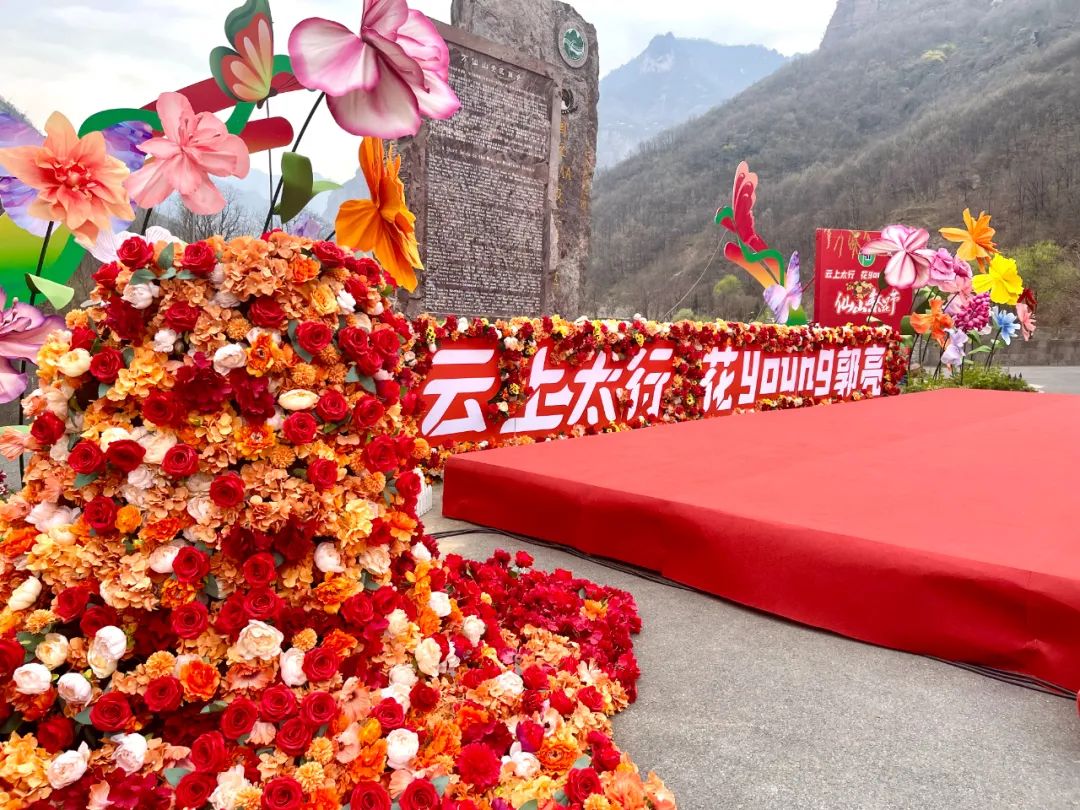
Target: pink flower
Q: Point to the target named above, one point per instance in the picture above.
(23, 331)
(194, 147)
(379, 81)
(910, 262)
(1027, 320)
(949, 274)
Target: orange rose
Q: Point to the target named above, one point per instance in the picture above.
(558, 755)
(199, 679)
(128, 519)
(340, 642)
(302, 269)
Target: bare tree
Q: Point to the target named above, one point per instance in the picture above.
(233, 220)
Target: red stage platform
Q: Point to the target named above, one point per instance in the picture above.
(942, 523)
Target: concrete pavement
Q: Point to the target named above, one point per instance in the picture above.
(1052, 379)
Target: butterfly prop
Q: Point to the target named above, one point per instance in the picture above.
(749, 250)
(245, 72)
(785, 300)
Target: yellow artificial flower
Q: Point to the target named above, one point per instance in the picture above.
(976, 238)
(1002, 280)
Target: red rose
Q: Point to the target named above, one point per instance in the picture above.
(389, 713)
(368, 362)
(260, 569)
(523, 559)
(322, 473)
(182, 316)
(369, 269)
(478, 765)
(86, 458)
(321, 664)
(163, 694)
(82, 337)
(368, 411)
(299, 428)
(389, 391)
(370, 796)
(12, 656)
(111, 712)
(282, 793)
(562, 703)
(424, 698)
(267, 313)
(277, 703)
(606, 759)
(106, 275)
(125, 454)
(190, 619)
(125, 321)
(162, 408)
(263, 604)
(313, 336)
(581, 783)
(208, 752)
(332, 406)
(191, 565)
(97, 617)
(180, 461)
(194, 789)
(318, 708)
(135, 252)
(55, 734)
(530, 735)
(106, 365)
(48, 428)
(100, 514)
(381, 455)
(232, 618)
(293, 737)
(420, 795)
(70, 602)
(329, 254)
(353, 341)
(386, 342)
(199, 387)
(199, 258)
(535, 677)
(408, 484)
(227, 490)
(592, 698)
(239, 718)
(357, 287)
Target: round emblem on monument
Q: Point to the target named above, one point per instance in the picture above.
(573, 45)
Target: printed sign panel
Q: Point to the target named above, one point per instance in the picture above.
(846, 282)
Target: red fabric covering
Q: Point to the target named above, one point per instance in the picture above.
(940, 523)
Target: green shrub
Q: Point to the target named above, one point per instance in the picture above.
(994, 379)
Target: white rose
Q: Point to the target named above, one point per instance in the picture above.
(298, 399)
(451, 660)
(59, 452)
(217, 275)
(363, 322)
(401, 747)
(199, 482)
(57, 399)
(130, 753)
(225, 299)
(74, 363)
(346, 302)
(68, 768)
(258, 640)
(200, 507)
(141, 477)
(439, 602)
(229, 785)
(399, 692)
(375, 559)
(509, 683)
(420, 552)
(526, 765)
(26, 594)
(512, 344)
(112, 641)
(229, 357)
(32, 679)
(403, 674)
(397, 623)
(53, 650)
(141, 296)
(164, 340)
(162, 557)
(156, 446)
(328, 558)
(113, 434)
(292, 667)
(74, 688)
(100, 663)
(428, 655)
(473, 628)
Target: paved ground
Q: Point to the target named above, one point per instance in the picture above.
(1052, 379)
(741, 710)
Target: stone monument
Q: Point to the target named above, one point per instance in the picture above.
(501, 191)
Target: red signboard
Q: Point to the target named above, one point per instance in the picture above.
(846, 282)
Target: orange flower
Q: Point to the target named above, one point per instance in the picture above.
(78, 183)
(370, 763)
(384, 224)
(976, 238)
(199, 679)
(128, 519)
(935, 322)
(557, 755)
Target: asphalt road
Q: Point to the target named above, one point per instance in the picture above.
(1052, 379)
(738, 709)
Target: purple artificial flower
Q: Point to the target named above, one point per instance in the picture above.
(23, 330)
(123, 141)
(305, 226)
(955, 350)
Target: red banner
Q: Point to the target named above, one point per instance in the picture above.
(846, 282)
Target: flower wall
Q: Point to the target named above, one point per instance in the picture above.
(484, 384)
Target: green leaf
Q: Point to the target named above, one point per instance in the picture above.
(353, 376)
(440, 783)
(530, 805)
(213, 708)
(368, 384)
(797, 317)
(165, 260)
(302, 353)
(583, 762)
(905, 326)
(20, 429)
(144, 275)
(30, 641)
(129, 355)
(319, 186)
(297, 185)
(174, 775)
(560, 798)
(59, 295)
(185, 275)
(103, 389)
(83, 479)
(213, 589)
(83, 717)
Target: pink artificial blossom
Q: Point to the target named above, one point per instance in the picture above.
(940, 267)
(1027, 320)
(23, 331)
(381, 80)
(909, 263)
(193, 148)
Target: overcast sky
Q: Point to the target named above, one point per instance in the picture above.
(82, 56)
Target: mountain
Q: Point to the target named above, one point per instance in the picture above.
(672, 81)
(913, 110)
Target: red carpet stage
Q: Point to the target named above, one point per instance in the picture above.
(940, 523)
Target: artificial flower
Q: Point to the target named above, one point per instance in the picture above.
(1027, 319)
(1006, 323)
(955, 350)
(976, 238)
(909, 262)
(935, 322)
(383, 224)
(1002, 281)
(23, 331)
(193, 148)
(78, 183)
(382, 80)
